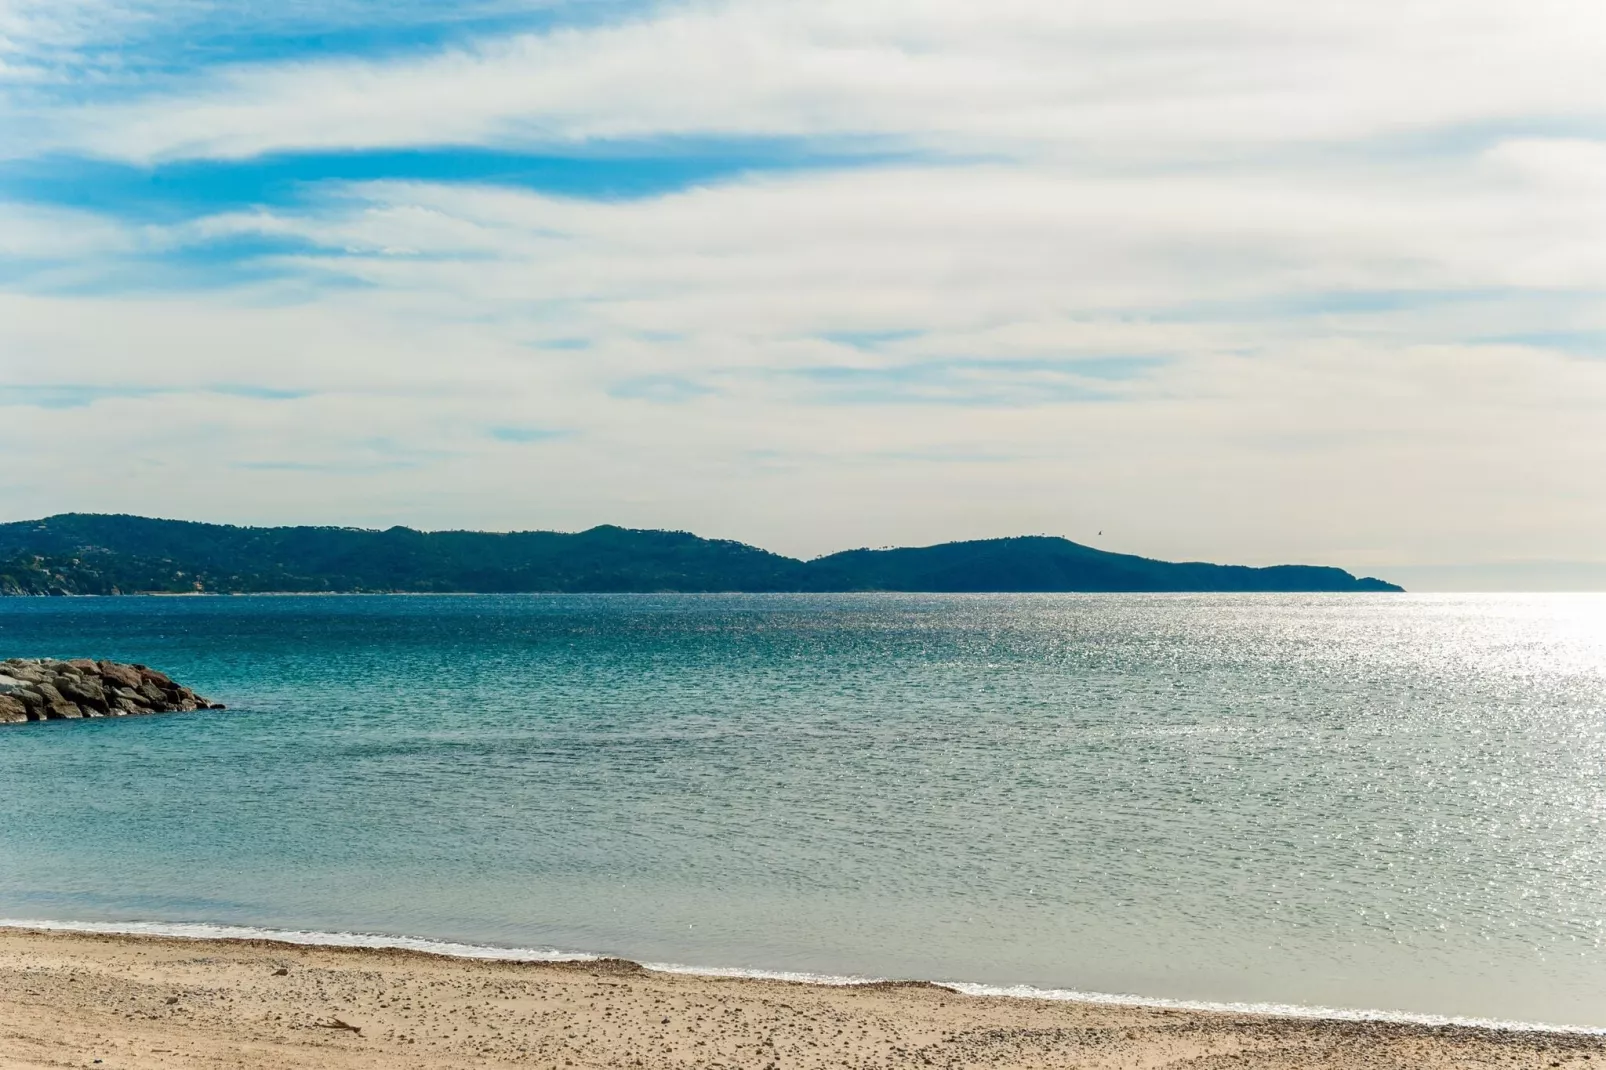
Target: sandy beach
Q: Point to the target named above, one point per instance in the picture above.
(75, 999)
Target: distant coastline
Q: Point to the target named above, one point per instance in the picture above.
(208, 595)
(99, 554)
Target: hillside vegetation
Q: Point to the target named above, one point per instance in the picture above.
(84, 553)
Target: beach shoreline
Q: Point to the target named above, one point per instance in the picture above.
(69, 997)
(453, 949)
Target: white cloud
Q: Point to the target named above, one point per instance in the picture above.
(33, 233)
(1336, 246)
(1154, 79)
(946, 250)
(1281, 421)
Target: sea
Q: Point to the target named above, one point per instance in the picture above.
(1388, 805)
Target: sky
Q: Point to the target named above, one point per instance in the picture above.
(1232, 280)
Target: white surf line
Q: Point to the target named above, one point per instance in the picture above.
(742, 973)
(1273, 1010)
(305, 937)
(452, 949)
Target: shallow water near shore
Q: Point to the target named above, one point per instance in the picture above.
(1390, 802)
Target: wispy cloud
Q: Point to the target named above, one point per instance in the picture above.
(671, 389)
(1584, 343)
(180, 190)
(978, 382)
(871, 339)
(262, 393)
(526, 435)
(1037, 74)
(66, 396)
(82, 395)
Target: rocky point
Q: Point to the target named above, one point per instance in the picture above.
(44, 689)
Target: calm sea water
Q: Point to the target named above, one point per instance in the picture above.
(1391, 802)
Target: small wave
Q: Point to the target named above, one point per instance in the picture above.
(207, 931)
(742, 973)
(452, 949)
(1275, 1010)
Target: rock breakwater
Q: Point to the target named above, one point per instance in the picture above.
(44, 689)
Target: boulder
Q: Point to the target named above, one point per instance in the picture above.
(152, 676)
(84, 665)
(12, 710)
(86, 691)
(120, 675)
(62, 711)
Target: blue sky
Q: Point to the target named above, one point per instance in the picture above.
(1234, 280)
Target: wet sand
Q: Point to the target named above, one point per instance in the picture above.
(118, 1002)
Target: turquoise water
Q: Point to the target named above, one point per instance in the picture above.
(1362, 801)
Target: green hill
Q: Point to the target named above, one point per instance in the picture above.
(1041, 563)
(84, 553)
